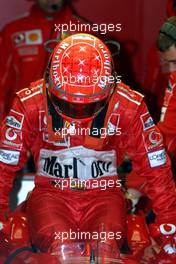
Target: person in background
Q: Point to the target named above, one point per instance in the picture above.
(166, 43)
(22, 53)
(157, 73)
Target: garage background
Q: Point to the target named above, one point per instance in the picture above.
(140, 21)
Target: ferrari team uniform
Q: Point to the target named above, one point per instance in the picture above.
(155, 81)
(157, 73)
(167, 124)
(60, 202)
(23, 57)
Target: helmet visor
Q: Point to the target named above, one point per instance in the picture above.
(77, 110)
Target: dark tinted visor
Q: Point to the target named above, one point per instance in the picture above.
(76, 110)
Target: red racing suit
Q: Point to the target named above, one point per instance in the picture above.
(93, 157)
(167, 124)
(22, 55)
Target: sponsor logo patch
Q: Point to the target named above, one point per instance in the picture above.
(61, 143)
(42, 121)
(152, 139)
(13, 145)
(30, 37)
(43, 128)
(9, 157)
(19, 38)
(157, 158)
(113, 124)
(12, 137)
(90, 164)
(26, 51)
(15, 120)
(147, 121)
(11, 132)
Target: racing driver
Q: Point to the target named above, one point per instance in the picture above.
(79, 123)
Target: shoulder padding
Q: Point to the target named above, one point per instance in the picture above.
(126, 94)
(34, 89)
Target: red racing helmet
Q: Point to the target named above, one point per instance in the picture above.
(81, 78)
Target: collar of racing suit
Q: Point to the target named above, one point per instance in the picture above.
(55, 123)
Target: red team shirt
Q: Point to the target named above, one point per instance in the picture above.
(167, 123)
(23, 58)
